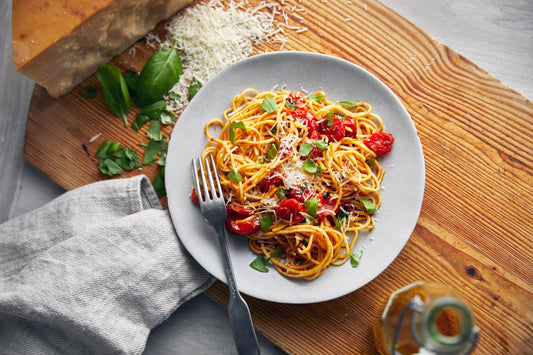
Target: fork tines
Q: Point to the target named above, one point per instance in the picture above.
(210, 190)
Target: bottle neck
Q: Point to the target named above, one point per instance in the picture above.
(446, 326)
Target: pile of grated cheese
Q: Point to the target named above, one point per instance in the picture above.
(211, 37)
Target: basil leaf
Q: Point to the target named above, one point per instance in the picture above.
(312, 167)
(159, 185)
(127, 158)
(131, 79)
(274, 129)
(154, 131)
(139, 121)
(308, 218)
(281, 192)
(305, 149)
(154, 109)
(321, 145)
(115, 90)
(276, 253)
(291, 105)
(232, 127)
(272, 152)
(349, 104)
(259, 264)
(355, 257)
(269, 104)
(109, 167)
(193, 88)
(370, 161)
(317, 97)
(311, 206)
(370, 207)
(160, 73)
(151, 152)
(167, 117)
(107, 149)
(265, 223)
(174, 99)
(234, 176)
(330, 119)
(88, 91)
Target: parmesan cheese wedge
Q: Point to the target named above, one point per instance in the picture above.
(60, 43)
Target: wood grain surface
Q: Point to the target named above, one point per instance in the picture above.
(476, 226)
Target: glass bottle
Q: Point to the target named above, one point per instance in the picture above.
(427, 319)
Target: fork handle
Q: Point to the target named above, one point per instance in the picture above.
(240, 318)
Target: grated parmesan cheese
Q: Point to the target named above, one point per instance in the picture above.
(211, 37)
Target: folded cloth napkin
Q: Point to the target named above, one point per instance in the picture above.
(92, 272)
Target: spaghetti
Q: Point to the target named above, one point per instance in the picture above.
(299, 175)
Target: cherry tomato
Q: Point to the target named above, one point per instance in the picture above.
(290, 209)
(350, 123)
(269, 181)
(285, 149)
(380, 142)
(336, 132)
(236, 212)
(194, 197)
(245, 226)
(299, 195)
(326, 206)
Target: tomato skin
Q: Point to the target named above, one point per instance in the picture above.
(290, 207)
(248, 226)
(349, 122)
(299, 195)
(336, 132)
(380, 142)
(269, 181)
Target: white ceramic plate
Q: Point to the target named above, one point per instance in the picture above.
(403, 184)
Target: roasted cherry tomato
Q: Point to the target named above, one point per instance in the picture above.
(290, 209)
(380, 142)
(269, 181)
(194, 197)
(236, 212)
(244, 226)
(350, 126)
(299, 195)
(326, 206)
(335, 132)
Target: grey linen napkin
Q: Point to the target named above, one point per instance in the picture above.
(92, 272)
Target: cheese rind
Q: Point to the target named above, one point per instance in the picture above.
(58, 43)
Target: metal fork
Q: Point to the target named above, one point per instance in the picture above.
(213, 209)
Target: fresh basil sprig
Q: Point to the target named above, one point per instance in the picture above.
(160, 73)
(269, 104)
(260, 262)
(115, 90)
(355, 257)
(193, 88)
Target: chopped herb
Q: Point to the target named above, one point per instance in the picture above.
(281, 192)
(139, 121)
(151, 152)
(349, 104)
(305, 149)
(355, 257)
(370, 161)
(88, 92)
(115, 90)
(265, 223)
(274, 129)
(234, 176)
(167, 117)
(311, 206)
(340, 218)
(109, 167)
(240, 125)
(317, 97)
(269, 104)
(159, 184)
(308, 218)
(321, 145)
(326, 195)
(131, 79)
(107, 149)
(312, 167)
(193, 88)
(370, 207)
(291, 105)
(260, 262)
(272, 152)
(154, 131)
(330, 119)
(127, 158)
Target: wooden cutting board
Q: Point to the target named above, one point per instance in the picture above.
(475, 227)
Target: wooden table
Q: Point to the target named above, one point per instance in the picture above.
(476, 224)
